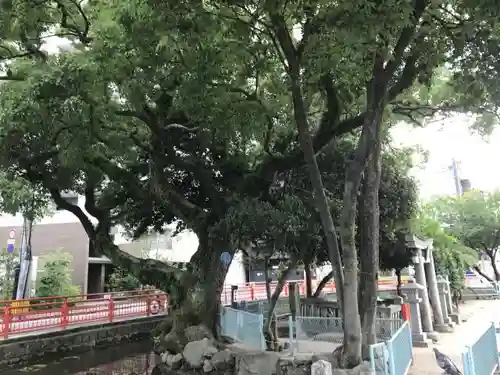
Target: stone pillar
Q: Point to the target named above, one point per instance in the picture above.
(425, 307)
(412, 291)
(439, 323)
(449, 302)
(443, 292)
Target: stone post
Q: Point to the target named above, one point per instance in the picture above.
(439, 323)
(443, 292)
(425, 307)
(321, 367)
(449, 302)
(411, 291)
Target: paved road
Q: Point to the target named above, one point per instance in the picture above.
(479, 314)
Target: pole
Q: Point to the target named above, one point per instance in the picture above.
(25, 260)
(456, 178)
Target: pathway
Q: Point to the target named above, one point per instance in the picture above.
(479, 314)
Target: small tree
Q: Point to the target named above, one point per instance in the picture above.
(8, 262)
(56, 276)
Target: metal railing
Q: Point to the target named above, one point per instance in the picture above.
(257, 290)
(53, 313)
(309, 334)
(481, 358)
(394, 356)
(243, 327)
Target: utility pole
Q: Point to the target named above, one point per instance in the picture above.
(456, 178)
(25, 258)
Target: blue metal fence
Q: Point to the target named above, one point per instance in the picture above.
(395, 356)
(481, 358)
(243, 327)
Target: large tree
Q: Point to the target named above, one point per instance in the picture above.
(184, 111)
(474, 219)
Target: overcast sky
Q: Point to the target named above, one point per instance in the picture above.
(445, 141)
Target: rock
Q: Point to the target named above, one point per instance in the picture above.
(173, 342)
(223, 360)
(210, 351)
(207, 366)
(256, 363)
(194, 352)
(174, 361)
(197, 333)
(321, 367)
(164, 357)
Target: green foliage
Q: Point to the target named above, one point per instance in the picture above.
(8, 262)
(19, 195)
(451, 256)
(120, 281)
(55, 279)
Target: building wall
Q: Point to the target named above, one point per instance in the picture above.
(61, 230)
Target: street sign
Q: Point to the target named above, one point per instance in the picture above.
(225, 258)
(11, 240)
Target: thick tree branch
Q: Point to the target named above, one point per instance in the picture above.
(75, 210)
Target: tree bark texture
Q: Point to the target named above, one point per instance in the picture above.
(307, 271)
(399, 281)
(369, 253)
(269, 332)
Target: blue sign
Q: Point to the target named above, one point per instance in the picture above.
(470, 273)
(225, 258)
(10, 248)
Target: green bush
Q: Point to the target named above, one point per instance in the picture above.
(8, 262)
(55, 279)
(120, 281)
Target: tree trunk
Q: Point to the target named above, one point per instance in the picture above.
(481, 273)
(319, 195)
(369, 254)
(322, 284)
(307, 270)
(400, 282)
(270, 334)
(493, 256)
(270, 330)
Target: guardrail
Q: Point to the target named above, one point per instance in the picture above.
(395, 355)
(481, 358)
(51, 313)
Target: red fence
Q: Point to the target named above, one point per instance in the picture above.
(52, 313)
(257, 291)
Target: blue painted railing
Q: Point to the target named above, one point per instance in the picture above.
(394, 356)
(481, 358)
(243, 327)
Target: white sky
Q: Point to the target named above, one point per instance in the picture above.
(447, 140)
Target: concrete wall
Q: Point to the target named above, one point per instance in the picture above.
(52, 345)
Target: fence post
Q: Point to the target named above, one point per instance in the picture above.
(392, 364)
(64, 313)
(472, 365)
(111, 308)
(6, 322)
(234, 297)
(496, 343)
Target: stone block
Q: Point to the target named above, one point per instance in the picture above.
(321, 367)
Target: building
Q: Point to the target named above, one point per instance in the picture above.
(61, 230)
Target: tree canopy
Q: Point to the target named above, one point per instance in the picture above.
(194, 110)
(474, 219)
